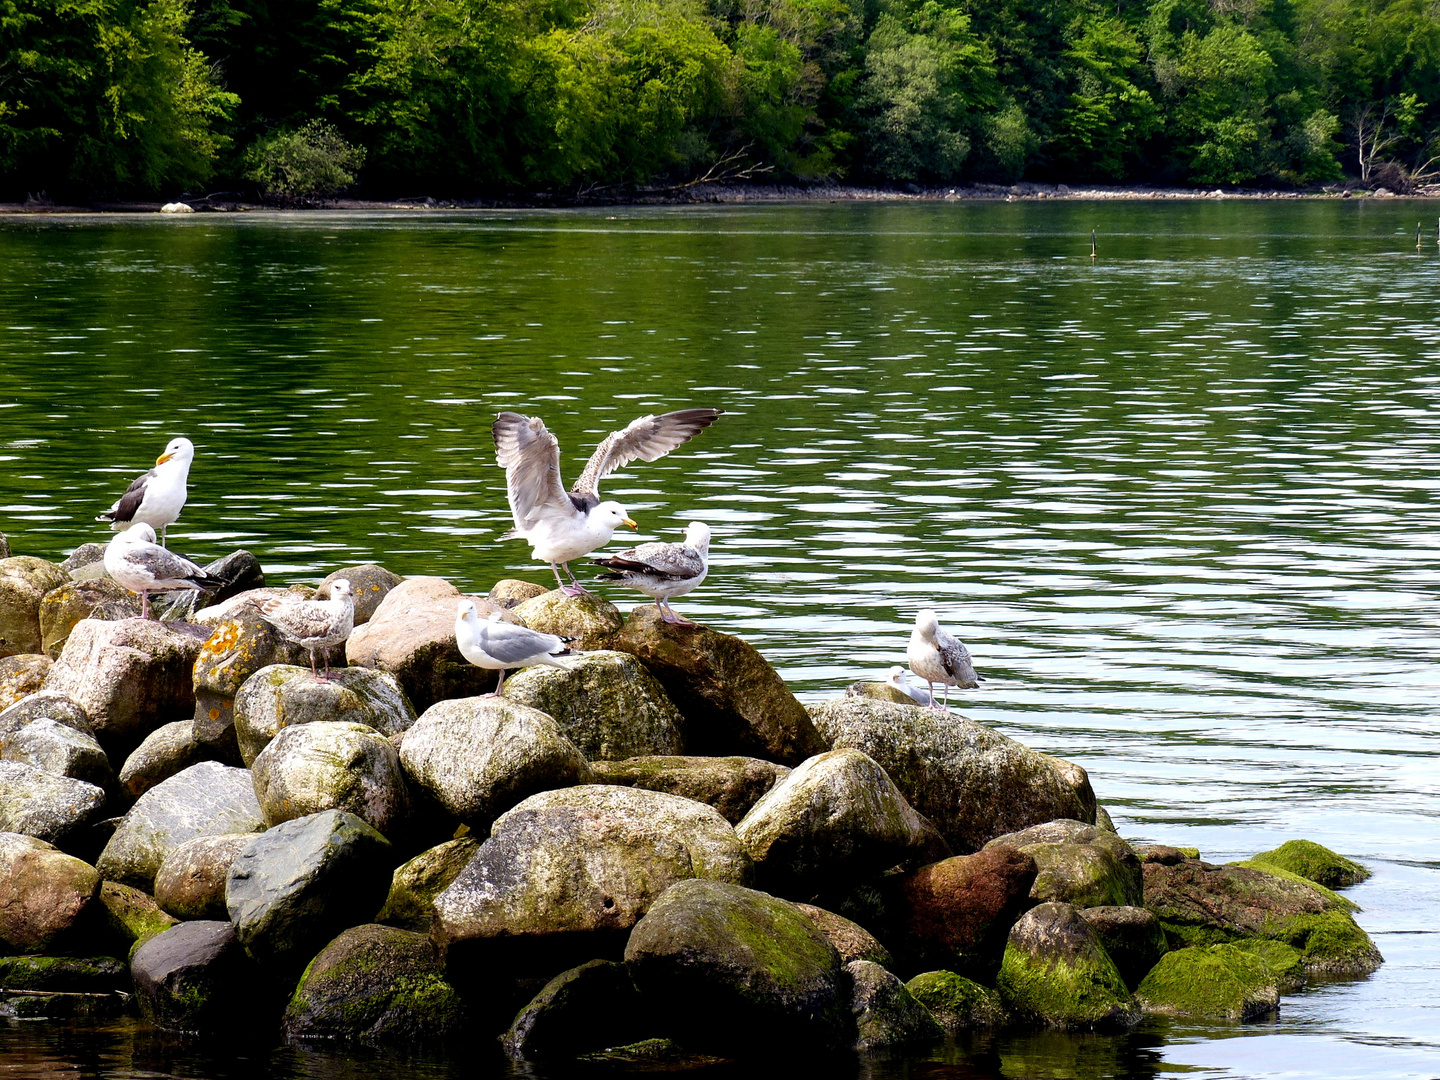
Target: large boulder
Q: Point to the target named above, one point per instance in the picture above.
(1056, 973)
(411, 635)
(169, 749)
(606, 703)
(584, 1009)
(956, 914)
(732, 700)
(1079, 864)
(1132, 936)
(129, 676)
(190, 883)
(43, 805)
(416, 883)
(208, 799)
(377, 985)
(21, 675)
(296, 886)
(886, 1013)
(24, 581)
(1218, 982)
(972, 783)
(731, 785)
(567, 873)
(1312, 861)
(331, 765)
(283, 696)
(370, 583)
(957, 1003)
(837, 817)
(195, 977)
(511, 592)
(734, 971)
(1199, 903)
(43, 893)
(480, 756)
(63, 608)
(58, 748)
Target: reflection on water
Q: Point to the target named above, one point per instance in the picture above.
(1180, 503)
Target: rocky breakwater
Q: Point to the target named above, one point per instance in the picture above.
(659, 847)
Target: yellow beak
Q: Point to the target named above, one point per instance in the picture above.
(631, 523)
(163, 458)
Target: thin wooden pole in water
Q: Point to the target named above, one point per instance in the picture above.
(1093, 250)
(1418, 240)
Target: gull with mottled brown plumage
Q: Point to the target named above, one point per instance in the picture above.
(314, 624)
(663, 571)
(562, 525)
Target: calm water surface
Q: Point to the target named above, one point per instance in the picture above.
(1181, 502)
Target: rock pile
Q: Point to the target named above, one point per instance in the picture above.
(660, 846)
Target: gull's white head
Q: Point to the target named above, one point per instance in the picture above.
(181, 450)
(697, 535)
(340, 589)
(613, 514)
(465, 609)
(139, 533)
(927, 624)
(897, 675)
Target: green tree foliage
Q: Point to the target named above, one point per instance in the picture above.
(312, 163)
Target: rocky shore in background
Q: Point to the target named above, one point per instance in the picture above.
(657, 855)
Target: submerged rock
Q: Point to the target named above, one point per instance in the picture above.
(285, 696)
(1055, 972)
(43, 893)
(1311, 861)
(886, 1013)
(606, 703)
(732, 785)
(370, 583)
(329, 765)
(957, 1003)
(41, 804)
(587, 1008)
(195, 978)
(972, 783)
(1079, 864)
(24, 581)
(732, 700)
(1212, 982)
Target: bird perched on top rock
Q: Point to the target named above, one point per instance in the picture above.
(663, 571)
(562, 525)
(314, 624)
(136, 562)
(937, 657)
(496, 645)
(157, 497)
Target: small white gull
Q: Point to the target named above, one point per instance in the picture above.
(314, 624)
(157, 497)
(937, 657)
(562, 525)
(496, 645)
(914, 693)
(135, 561)
(663, 571)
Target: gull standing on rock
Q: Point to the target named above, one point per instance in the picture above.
(914, 693)
(935, 656)
(663, 571)
(496, 645)
(136, 562)
(157, 497)
(314, 624)
(562, 525)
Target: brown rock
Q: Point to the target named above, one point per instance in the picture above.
(24, 581)
(732, 785)
(851, 940)
(733, 701)
(20, 676)
(508, 592)
(42, 893)
(62, 608)
(191, 881)
(369, 585)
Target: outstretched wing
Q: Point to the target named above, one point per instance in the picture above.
(125, 507)
(648, 438)
(530, 456)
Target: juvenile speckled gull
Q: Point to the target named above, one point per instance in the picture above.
(562, 525)
(914, 693)
(496, 645)
(135, 561)
(935, 656)
(314, 624)
(157, 497)
(664, 571)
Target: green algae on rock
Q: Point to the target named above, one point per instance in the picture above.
(1056, 972)
(1312, 861)
(1079, 864)
(1284, 960)
(415, 884)
(1210, 981)
(958, 1003)
(886, 1013)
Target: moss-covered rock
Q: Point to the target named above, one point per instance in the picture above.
(851, 940)
(131, 916)
(1284, 960)
(43, 893)
(378, 985)
(194, 977)
(972, 783)
(886, 1014)
(415, 884)
(283, 696)
(582, 1010)
(730, 970)
(64, 974)
(1212, 982)
(606, 703)
(1055, 972)
(20, 676)
(1079, 864)
(1132, 936)
(958, 1003)
(1200, 903)
(332, 765)
(591, 620)
(879, 691)
(732, 785)
(24, 581)
(1311, 861)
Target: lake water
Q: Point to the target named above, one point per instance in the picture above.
(1180, 501)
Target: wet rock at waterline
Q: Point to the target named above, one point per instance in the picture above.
(606, 703)
(591, 620)
(886, 1014)
(480, 756)
(331, 765)
(1217, 982)
(63, 608)
(415, 884)
(973, 784)
(195, 977)
(732, 700)
(1056, 973)
(377, 985)
(851, 940)
(37, 803)
(957, 1003)
(729, 970)
(24, 581)
(169, 749)
(191, 881)
(1078, 864)
(1132, 936)
(835, 818)
(1312, 861)
(584, 1009)
(732, 785)
(296, 886)
(131, 916)
(43, 893)
(21, 675)
(58, 748)
(207, 799)
(370, 583)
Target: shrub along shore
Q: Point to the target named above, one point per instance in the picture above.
(658, 853)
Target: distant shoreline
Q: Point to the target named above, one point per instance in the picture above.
(740, 194)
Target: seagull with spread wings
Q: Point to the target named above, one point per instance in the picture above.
(663, 571)
(561, 525)
(157, 497)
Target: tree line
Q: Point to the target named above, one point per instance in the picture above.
(463, 98)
